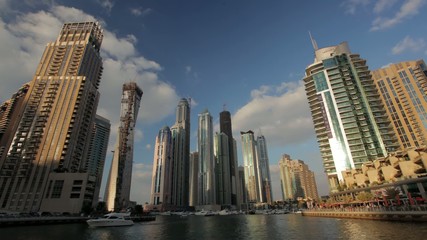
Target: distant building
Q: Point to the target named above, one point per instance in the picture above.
(49, 122)
(250, 164)
(403, 88)
(181, 155)
(241, 186)
(226, 128)
(162, 176)
(117, 191)
(194, 174)
(206, 180)
(97, 152)
(297, 181)
(266, 194)
(222, 169)
(349, 118)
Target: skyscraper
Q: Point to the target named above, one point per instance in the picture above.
(402, 89)
(222, 169)
(349, 118)
(161, 178)
(226, 128)
(296, 179)
(250, 164)
(264, 179)
(181, 155)
(97, 151)
(117, 191)
(206, 181)
(50, 141)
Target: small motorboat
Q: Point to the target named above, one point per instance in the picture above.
(111, 220)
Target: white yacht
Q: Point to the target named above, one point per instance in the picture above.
(111, 220)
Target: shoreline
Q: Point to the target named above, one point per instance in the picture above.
(32, 221)
(404, 216)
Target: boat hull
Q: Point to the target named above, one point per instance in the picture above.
(108, 223)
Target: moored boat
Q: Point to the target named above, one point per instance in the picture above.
(111, 220)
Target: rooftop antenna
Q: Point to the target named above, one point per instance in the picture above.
(313, 42)
(224, 107)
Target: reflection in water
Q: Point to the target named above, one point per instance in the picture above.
(289, 226)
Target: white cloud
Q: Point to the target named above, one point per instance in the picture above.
(140, 11)
(409, 44)
(107, 5)
(408, 9)
(148, 146)
(352, 5)
(283, 119)
(382, 5)
(187, 69)
(141, 183)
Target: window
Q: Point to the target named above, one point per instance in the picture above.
(78, 182)
(57, 188)
(74, 195)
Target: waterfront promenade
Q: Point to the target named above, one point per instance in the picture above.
(403, 213)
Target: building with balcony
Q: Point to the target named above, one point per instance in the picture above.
(403, 88)
(49, 138)
(350, 121)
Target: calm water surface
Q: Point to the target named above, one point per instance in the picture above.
(289, 226)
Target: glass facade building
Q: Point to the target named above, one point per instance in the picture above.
(205, 144)
(349, 118)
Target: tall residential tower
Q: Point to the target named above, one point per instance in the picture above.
(117, 191)
(226, 128)
(181, 155)
(403, 88)
(349, 118)
(161, 178)
(205, 144)
(43, 167)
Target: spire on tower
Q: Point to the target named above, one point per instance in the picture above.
(313, 42)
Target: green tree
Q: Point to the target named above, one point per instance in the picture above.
(365, 196)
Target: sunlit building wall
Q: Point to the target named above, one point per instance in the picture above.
(161, 177)
(250, 164)
(402, 89)
(297, 180)
(54, 126)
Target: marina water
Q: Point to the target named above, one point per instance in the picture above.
(287, 226)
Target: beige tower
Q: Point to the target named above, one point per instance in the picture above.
(297, 180)
(403, 88)
(44, 167)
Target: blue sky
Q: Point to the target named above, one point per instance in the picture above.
(247, 55)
